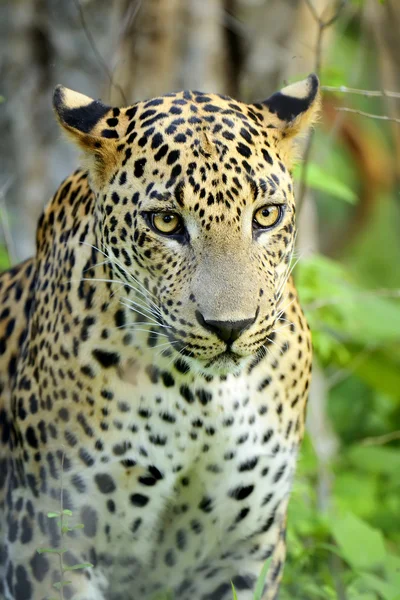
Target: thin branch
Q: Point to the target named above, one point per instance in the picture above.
(96, 52)
(334, 17)
(313, 11)
(322, 26)
(381, 439)
(367, 93)
(130, 16)
(366, 114)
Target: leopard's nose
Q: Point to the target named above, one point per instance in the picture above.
(227, 331)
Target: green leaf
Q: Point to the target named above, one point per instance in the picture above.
(380, 370)
(356, 494)
(392, 568)
(5, 262)
(164, 595)
(79, 566)
(67, 512)
(234, 592)
(77, 526)
(51, 550)
(261, 580)
(370, 582)
(67, 528)
(374, 318)
(60, 584)
(376, 459)
(361, 545)
(53, 515)
(318, 179)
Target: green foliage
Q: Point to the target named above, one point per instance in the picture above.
(4, 259)
(352, 327)
(352, 549)
(322, 180)
(360, 545)
(62, 517)
(261, 580)
(338, 549)
(234, 594)
(258, 592)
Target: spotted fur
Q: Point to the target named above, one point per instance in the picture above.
(123, 366)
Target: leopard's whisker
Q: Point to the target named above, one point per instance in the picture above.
(115, 281)
(286, 321)
(164, 346)
(113, 260)
(131, 326)
(129, 275)
(99, 264)
(280, 328)
(140, 305)
(132, 308)
(283, 310)
(287, 275)
(150, 331)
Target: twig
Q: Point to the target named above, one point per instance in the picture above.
(381, 439)
(366, 114)
(368, 93)
(324, 438)
(99, 57)
(130, 16)
(322, 26)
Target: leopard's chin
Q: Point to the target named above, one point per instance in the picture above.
(225, 363)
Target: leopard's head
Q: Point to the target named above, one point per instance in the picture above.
(195, 201)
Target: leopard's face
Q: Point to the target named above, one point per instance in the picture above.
(197, 208)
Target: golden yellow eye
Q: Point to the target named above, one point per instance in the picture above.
(166, 223)
(267, 216)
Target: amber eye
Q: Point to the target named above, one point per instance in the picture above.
(166, 223)
(267, 216)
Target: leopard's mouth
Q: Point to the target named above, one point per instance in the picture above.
(227, 362)
(224, 363)
(226, 357)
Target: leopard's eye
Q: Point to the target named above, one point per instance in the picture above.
(166, 223)
(267, 216)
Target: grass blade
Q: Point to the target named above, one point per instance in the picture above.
(261, 580)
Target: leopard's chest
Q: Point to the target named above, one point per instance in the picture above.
(187, 477)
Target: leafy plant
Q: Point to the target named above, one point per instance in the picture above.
(63, 516)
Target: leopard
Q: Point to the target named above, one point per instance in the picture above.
(154, 358)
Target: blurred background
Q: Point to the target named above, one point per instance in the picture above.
(344, 522)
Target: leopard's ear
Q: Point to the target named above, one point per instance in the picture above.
(93, 126)
(293, 110)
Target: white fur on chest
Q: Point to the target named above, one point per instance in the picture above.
(215, 463)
